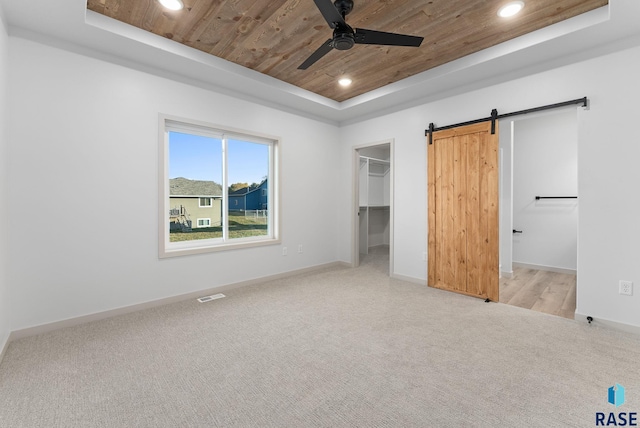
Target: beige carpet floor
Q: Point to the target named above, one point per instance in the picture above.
(335, 348)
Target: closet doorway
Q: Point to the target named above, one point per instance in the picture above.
(373, 206)
(539, 211)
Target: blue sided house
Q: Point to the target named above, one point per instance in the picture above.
(247, 199)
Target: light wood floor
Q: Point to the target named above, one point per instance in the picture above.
(542, 291)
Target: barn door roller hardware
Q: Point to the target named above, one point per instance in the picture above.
(495, 116)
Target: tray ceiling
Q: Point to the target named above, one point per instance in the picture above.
(275, 37)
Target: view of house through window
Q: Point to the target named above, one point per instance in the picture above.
(219, 185)
(195, 187)
(248, 207)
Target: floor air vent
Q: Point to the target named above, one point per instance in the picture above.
(210, 298)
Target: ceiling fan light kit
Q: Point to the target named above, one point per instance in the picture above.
(345, 37)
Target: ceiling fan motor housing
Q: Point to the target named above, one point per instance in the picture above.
(343, 40)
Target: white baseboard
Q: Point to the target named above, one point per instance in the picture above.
(603, 322)
(45, 328)
(4, 345)
(409, 279)
(545, 268)
(507, 275)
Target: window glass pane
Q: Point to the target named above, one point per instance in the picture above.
(195, 189)
(248, 172)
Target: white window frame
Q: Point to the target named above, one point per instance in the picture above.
(205, 206)
(167, 123)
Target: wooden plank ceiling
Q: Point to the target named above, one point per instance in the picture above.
(274, 37)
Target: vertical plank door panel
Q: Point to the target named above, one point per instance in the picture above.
(474, 242)
(493, 245)
(459, 170)
(448, 213)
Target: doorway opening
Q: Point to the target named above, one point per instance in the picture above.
(373, 206)
(539, 212)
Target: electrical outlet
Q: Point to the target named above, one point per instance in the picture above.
(424, 257)
(299, 248)
(626, 288)
(284, 251)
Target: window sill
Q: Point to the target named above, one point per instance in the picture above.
(227, 246)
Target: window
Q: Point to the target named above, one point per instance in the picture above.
(200, 165)
(204, 222)
(205, 202)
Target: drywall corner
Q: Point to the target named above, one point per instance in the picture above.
(5, 328)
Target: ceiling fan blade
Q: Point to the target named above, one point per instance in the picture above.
(319, 53)
(372, 37)
(330, 13)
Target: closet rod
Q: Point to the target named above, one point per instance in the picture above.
(375, 159)
(556, 197)
(495, 116)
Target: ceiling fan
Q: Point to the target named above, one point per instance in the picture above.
(344, 37)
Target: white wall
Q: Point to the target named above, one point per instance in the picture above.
(83, 143)
(608, 230)
(5, 327)
(545, 163)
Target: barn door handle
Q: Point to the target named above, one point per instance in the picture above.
(517, 231)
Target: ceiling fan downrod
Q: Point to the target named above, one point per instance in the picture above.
(344, 6)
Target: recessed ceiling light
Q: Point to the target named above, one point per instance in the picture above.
(345, 81)
(172, 4)
(510, 9)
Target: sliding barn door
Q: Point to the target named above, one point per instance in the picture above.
(463, 210)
